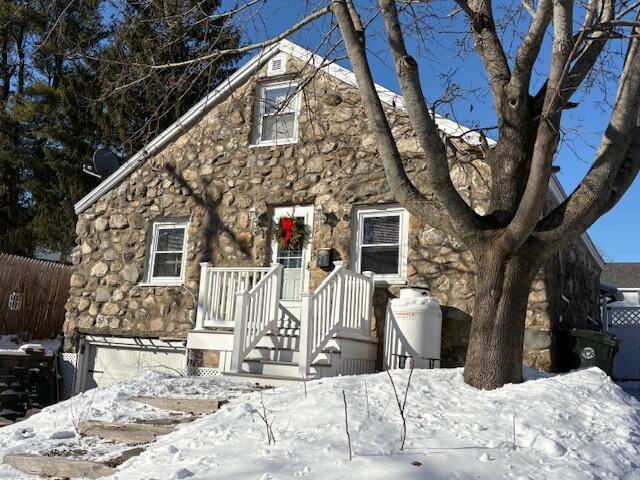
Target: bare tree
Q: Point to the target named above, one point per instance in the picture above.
(512, 241)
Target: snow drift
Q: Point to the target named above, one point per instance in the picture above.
(575, 426)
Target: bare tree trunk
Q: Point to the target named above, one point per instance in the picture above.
(494, 356)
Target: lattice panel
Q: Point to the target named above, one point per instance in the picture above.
(624, 317)
(67, 370)
(203, 372)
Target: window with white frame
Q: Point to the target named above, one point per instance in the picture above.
(277, 113)
(381, 242)
(167, 252)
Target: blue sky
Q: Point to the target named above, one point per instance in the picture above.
(443, 52)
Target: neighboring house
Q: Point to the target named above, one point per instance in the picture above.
(170, 244)
(622, 316)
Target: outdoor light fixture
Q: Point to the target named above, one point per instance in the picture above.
(321, 214)
(15, 301)
(254, 217)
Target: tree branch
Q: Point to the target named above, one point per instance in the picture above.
(489, 47)
(616, 164)
(532, 203)
(234, 51)
(530, 48)
(405, 191)
(463, 217)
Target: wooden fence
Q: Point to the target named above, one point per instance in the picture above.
(32, 296)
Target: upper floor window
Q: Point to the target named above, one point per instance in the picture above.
(278, 107)
(167, 253)
(381, 242)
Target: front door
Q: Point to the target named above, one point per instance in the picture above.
(296, 263)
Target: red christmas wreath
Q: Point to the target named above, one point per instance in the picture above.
(290, 233)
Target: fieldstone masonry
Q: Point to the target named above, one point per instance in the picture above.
(212, 176)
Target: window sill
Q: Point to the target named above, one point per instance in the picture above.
(177, 283)
(389, 282)
(274, 144)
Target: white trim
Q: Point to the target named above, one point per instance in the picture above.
(294, 108)
(376, 211)
(156, 226)
(307, 212)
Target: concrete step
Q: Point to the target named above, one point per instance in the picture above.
(193, 406)
(57, 467)
(126, 433)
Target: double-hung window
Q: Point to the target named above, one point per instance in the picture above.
(167, 253)
(278, 106)
(381, 242)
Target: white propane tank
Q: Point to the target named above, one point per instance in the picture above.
(417, 317)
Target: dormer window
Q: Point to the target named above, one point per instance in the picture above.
(278, 107)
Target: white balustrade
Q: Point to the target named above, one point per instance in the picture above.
(256, 313)
(218, 289)
(342, 303)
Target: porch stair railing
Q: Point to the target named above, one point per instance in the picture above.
(218, 289)
(256, 313)
(342, 303)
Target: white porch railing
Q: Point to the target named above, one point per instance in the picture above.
(342, 303)
(256, 313)
(217, 294)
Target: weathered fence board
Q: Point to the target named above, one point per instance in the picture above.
(32, 296)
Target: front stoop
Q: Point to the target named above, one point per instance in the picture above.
(126, 433)
(33, 464)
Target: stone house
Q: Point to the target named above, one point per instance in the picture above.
(177, 260)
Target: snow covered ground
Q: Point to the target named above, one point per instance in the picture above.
(53, 431)
(575, 426)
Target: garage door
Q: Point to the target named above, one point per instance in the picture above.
(107, 364)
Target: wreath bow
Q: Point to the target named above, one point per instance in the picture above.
(290, 233)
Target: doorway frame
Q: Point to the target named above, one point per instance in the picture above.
(306, 211)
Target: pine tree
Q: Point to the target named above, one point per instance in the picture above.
(73, 80)
(141, 102)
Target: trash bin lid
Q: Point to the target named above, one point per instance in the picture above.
(595, 336)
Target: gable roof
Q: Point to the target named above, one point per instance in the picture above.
(621, 274)
(241, 75)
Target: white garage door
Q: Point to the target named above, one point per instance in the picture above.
(107, 364)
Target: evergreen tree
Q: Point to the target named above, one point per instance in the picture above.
(73, 80)
(140, 102)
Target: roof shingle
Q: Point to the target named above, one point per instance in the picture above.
(621, 274)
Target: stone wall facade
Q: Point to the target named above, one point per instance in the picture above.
(212, 175)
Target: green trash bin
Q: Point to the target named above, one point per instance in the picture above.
(593, 349)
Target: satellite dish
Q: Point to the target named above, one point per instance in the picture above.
(103, 163)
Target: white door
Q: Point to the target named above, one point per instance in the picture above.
(296, 263)
(107, 364)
